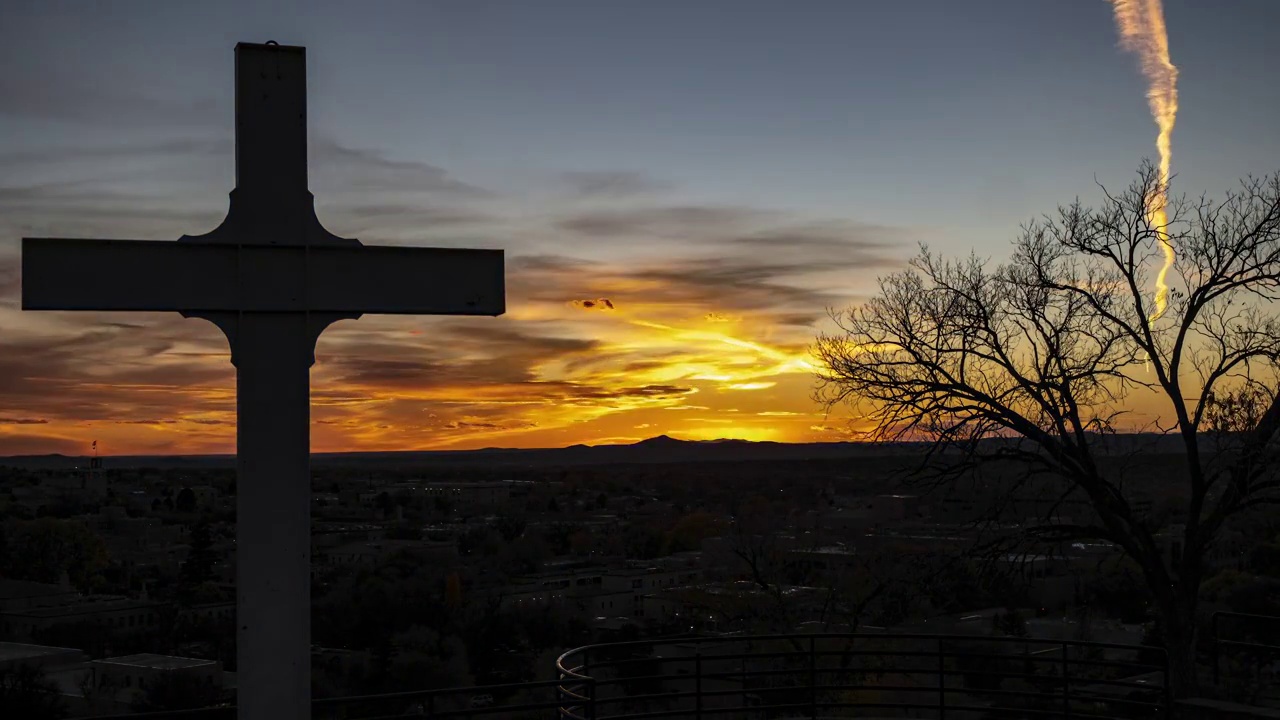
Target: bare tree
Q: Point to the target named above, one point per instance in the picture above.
(1040, 361)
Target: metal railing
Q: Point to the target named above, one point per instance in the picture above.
(766, 677)
(1256, 623)
(950, 677)
(481, 702)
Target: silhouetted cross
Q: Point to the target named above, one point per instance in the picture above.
(272, 278)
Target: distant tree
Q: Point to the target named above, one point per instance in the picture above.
(385, 503)
(26, 693)
(510, 527)
(642, 542)
(581, 543)
(479, 540)
(1031, 363)
(690, 530)
(1010, 623)
(405, 531)
(453, 591)
(525, 556)
(197, 568)
(1117, 588)
(1264, 559)
(64, 505)
(558, 536)
(43, 549)
(440, 659)
(185, 502)
(1244, 592)
(18, 511)
(169, 691)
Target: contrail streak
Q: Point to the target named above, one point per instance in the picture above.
(1142, 32)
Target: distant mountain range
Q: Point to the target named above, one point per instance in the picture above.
(661, 449)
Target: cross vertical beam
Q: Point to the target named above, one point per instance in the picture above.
(273, 357)
(273, 354)
(271, 120)
(272, 278)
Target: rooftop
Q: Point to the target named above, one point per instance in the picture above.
(14, 589)
(89, 606)
(10, 651)
(156, 662)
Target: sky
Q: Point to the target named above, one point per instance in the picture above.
(722, 172)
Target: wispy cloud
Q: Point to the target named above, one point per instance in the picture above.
(712, 306)
(42, 93)
(612, 184)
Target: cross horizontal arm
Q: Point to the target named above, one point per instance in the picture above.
(75, 274)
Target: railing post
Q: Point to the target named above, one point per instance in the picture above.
(431, 705)
(697, 685)
(813, 679)
(942, 682)
(1213, 624)
(1168, 690)
(1066, 683)
(590, 709)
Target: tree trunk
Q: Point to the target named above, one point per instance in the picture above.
(1178, 629)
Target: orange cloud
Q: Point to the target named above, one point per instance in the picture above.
(721, 299)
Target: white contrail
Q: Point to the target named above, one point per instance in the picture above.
(1142, 31)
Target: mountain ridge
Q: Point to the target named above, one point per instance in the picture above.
(657, 449)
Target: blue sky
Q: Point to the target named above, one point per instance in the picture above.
(985, 112)
(611, 133)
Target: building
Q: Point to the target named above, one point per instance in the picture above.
(13, 655)
(600, 592)
(720, 604)
(20, 595)
(144, 669)
(113, 612)
(65, 668)
(828, 560)
(210, 612)
(371, 552)
(468, 497)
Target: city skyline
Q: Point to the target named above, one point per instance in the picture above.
(666, 272)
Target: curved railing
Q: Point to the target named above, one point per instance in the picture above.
(950, 677)
(864, 676)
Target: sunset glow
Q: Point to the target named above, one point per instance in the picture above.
(682, 193)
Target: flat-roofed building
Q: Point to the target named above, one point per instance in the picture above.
(18, 595)
(113, 612)
(145, 669)
(13, 655)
